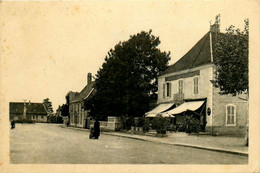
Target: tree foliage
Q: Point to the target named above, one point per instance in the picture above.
(65, 110)
(65, 107)
(48, 105)
(231, 59)
(127, 80)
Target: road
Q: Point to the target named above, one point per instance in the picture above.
(52, 144)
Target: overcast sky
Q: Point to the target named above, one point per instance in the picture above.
(49, 47)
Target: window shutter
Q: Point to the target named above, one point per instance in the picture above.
(164, 90)
(228, 114)
(197, 85)
(233, 115)
(179, 86)
(170, 89)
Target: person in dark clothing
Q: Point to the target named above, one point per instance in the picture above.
(91, 133)
(12, 124)
(96, 129)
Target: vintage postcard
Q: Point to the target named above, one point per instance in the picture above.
(129, 86)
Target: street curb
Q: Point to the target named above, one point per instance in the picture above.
(185, 145)
(130, 137)
(168, 143)
(214, 149)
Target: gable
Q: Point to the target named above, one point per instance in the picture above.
(86, 91)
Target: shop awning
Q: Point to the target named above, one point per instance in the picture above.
(160, 108)
(192, 106)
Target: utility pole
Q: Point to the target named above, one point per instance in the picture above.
(24, 109)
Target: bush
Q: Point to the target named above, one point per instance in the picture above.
(128, 122)
(146, 125)
(59, 120)
(160, 124)
(190, 125)
(140, 122)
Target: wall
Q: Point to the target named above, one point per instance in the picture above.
(204, 82)
(219, 114)
(65, 120)
(37, 118)
(40, 119)
(77, 114)
(112, 124)
(216, 121)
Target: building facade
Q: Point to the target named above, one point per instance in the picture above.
(79, 116)
(189, 85)
(29, 111)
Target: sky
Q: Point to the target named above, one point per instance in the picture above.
(47, 48)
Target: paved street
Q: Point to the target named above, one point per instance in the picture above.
(52, 144)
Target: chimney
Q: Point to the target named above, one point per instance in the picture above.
(89, 78)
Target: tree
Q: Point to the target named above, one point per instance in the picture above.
(231, 59)
(127, 80)
(48, 106)
(65, 107)
(231, 55)
(65, 110)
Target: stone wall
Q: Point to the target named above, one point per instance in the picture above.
(227, 130)
(113, 124)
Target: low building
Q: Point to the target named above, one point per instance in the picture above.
(78, 116)
(187, 84)
(29, 111)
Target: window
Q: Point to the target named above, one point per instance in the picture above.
(80, 115)
(164, 90)
(196, 85)
(72, 118)
(231, 114)
(167, 90)
(180, 86)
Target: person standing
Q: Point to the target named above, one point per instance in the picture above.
(96, 129)
(12, 124)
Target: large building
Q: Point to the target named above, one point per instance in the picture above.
(29, 111)
(79, 116)
(187, 84)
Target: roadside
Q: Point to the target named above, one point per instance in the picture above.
(225, 144)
